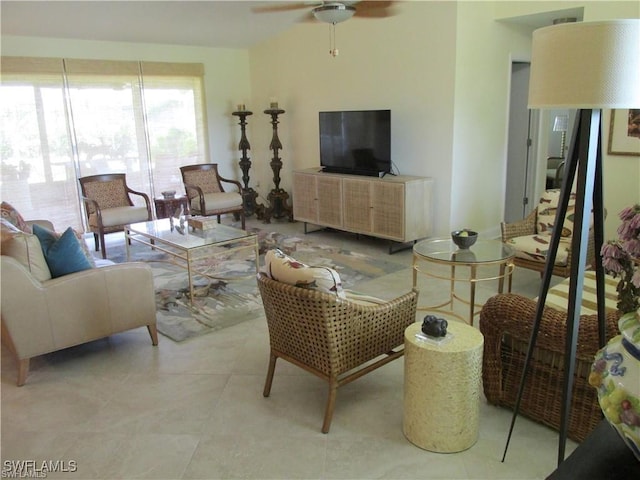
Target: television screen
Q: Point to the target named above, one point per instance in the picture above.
(357, 142)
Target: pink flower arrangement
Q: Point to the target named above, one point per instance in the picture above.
(621, 258)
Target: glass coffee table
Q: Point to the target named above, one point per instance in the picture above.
(186, 246)
(472, 265)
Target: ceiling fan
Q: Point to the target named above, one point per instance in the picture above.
(334, 12)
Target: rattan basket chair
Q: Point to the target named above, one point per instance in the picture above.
(333, 338)
(506, 321)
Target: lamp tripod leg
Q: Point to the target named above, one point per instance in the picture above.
(585, 159)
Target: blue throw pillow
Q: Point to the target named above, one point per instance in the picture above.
(63, 254)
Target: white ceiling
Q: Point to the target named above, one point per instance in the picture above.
(205, 23)
(198, 23)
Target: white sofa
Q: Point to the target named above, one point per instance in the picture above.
(41, 315)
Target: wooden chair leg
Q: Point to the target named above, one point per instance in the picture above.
(331, 403)
(218, 218)
(95, 241)
(23, 371)
(153, 332)
(269, 380)
(103, 247)
(242, 218)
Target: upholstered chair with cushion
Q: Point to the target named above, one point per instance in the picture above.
(108, 205)
(531, 237)
(203, 186)
(55, 297)
(316, 325)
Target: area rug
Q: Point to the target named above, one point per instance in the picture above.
(220, 303)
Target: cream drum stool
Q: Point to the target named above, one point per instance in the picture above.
(442, 389)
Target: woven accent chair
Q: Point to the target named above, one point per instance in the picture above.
(108, 205)
(506, 321)
(207, 197)
(531, 237)
(333, 338)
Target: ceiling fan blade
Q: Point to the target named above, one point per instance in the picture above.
(308, 17)
(375, 9)
(284, 7)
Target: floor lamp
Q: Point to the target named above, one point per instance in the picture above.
(584, 66)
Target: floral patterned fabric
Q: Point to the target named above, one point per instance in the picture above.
(25, 248)
(11, 215)
(205, 179)
(109, 194)
(285, 269)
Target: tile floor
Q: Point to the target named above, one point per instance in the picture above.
(121, 408)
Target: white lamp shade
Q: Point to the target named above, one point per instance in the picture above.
(560, 123)
(586, 65)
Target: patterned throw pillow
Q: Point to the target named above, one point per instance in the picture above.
(10, 214)
(25, 248)
(63, 253)
(283, 268)
(8, 230)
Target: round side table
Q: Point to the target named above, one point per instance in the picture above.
(442, 389)
(473, 266)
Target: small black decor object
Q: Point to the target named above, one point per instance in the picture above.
(433, 326)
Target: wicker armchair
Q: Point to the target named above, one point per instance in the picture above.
(332, 338)
(506, 321)
(531, 236)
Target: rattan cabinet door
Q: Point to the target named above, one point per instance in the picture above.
(329, 195)
(305, 201)
(317, 199)
(388, 210)
(357, 205)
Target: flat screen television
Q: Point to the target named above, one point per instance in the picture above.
(356, 142)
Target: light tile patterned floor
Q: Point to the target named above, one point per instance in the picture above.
(121, 408)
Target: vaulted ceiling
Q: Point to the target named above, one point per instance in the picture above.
(231, 24)
(199, 23)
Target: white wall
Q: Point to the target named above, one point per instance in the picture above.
(405, 63)
(443, 68)
(485, 50)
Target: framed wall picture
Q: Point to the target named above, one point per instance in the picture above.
(624, 132)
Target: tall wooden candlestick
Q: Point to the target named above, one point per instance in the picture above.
(249, 195)
(278, 207)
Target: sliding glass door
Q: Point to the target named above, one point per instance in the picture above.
(64, 119)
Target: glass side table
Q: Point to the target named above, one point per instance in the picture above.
(464, 266)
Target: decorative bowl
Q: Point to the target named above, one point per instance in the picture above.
(169, 194)
(464, 238)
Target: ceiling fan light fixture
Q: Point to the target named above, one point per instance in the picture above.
(333, 13)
